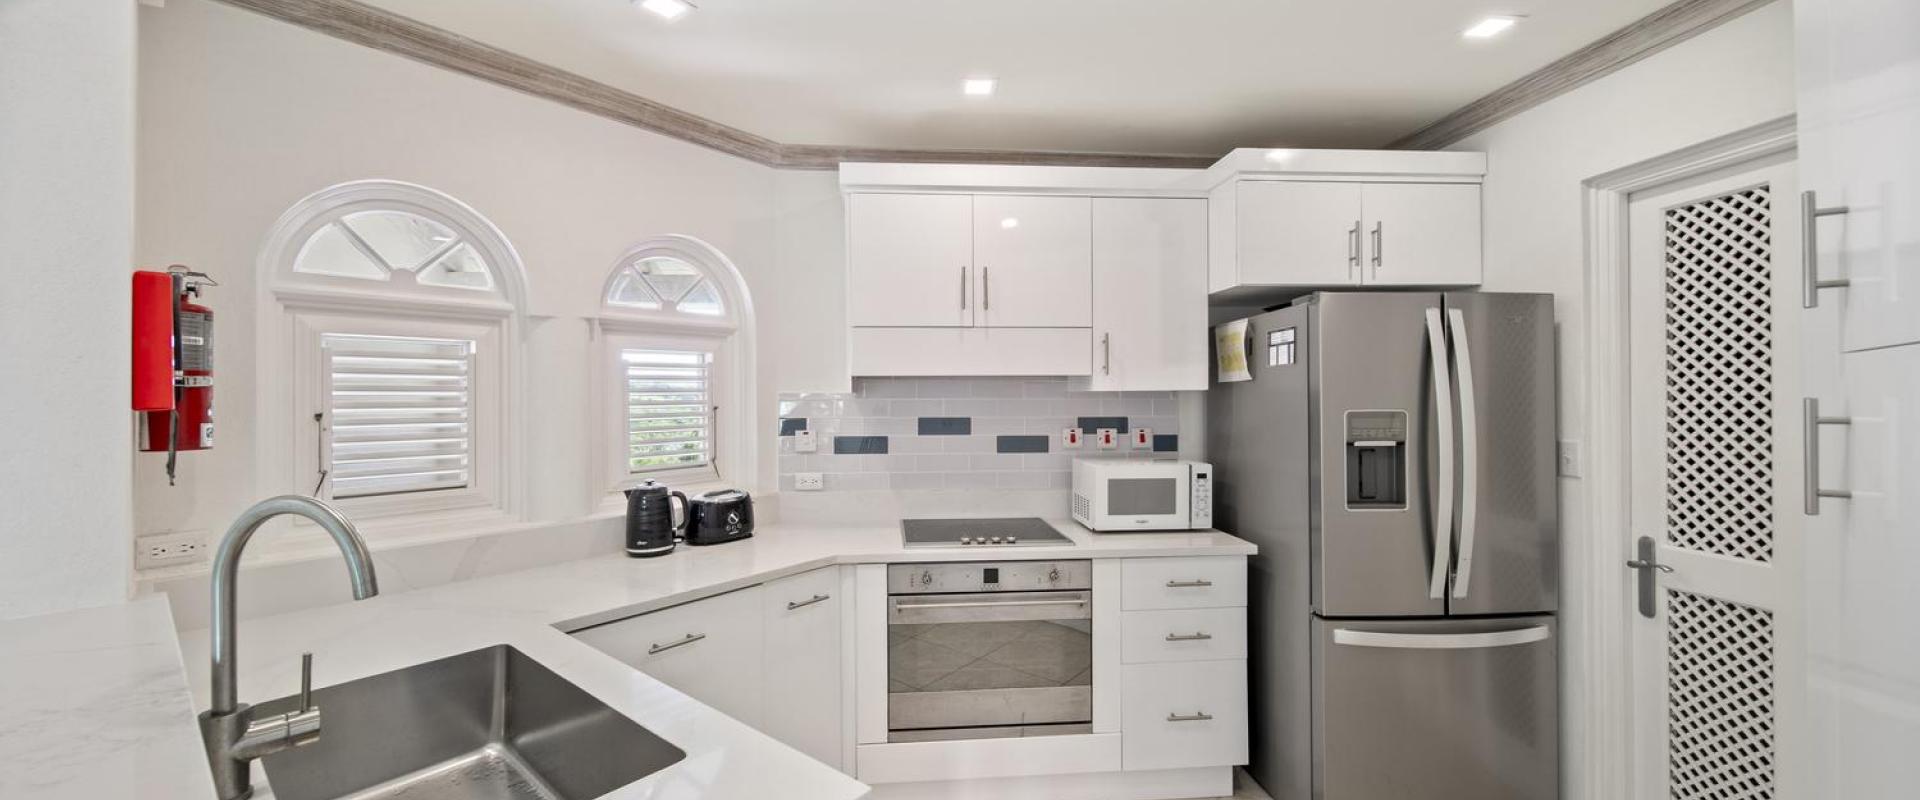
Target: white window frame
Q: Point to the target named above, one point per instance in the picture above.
(296, 308)
(729, 337)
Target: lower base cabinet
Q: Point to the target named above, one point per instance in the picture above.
(1190, 714)
(767, 655)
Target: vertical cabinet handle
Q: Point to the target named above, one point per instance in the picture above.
(986, 289)
(1810, 422)
(1353, 247)
(963, 288)
(1106, 354)
(1376, 247)
(1811, 282)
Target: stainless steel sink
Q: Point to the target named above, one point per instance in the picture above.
(491, 724)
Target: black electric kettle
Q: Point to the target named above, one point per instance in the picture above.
(650, 528)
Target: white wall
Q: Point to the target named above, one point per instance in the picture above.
(241, 116)
(66, 237)
(1733, 77)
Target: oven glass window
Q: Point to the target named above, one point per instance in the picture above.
(1133, 497)
(962, 680)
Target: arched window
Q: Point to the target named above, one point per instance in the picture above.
(676, 366)
(389, 351)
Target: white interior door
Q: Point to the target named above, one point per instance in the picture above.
(1716, 705)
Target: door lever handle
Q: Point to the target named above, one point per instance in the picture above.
(1638, 564)
(1646, 565)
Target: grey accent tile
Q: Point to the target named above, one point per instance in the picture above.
(1022, 444)
(1166, 442)
(1090, 424)
(791, 425)
(945, 426)
(859, 444)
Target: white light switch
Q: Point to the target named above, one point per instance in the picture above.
(803, 441)
(1570, 466)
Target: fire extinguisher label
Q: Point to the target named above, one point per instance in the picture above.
(206, 434)
(196, 342)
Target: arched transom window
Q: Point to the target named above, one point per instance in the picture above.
(665, 282)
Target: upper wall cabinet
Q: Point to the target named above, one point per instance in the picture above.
(1035, 259)
(1284, 219)
(911, 259)
(1149, 294)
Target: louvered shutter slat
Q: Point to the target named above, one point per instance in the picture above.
(400, 414)
(669, 408)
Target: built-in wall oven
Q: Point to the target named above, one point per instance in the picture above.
(989, 649)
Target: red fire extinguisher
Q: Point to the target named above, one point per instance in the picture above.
(172, 362)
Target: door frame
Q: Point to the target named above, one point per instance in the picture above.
(1598, 688)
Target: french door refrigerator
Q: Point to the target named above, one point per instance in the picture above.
(1393, 458)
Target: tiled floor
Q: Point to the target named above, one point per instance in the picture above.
(1245, 789)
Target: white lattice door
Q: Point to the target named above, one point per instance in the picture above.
(1715, 472)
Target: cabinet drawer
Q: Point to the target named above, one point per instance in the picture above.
(1188, 634)
(1211, 582)
(1183, 715)
(710, 649)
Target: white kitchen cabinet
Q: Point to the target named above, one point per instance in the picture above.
(1183, 715)
(1858, 67)
(1033, 261)
(1298, 233)
(802, 667)
(1149, 294)
(1185, 634)
(1420, 234)
(1197, 582)
(711, 649)
(910, 260)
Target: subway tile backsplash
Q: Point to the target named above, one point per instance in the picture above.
(962, 433)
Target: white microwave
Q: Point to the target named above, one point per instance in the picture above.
(1112, 494)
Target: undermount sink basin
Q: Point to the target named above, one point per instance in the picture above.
(491, 724)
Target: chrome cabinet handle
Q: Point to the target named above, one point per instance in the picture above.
(963, 288)
(1197, 636)
(1196, 717)
(1353, 247)
(1646, 563)
(818, 598)
(1376, 246)
(1188, 584)
(661, 648)
(1811, 282)
(986, 289)
(1106, 354)
(1810, 422)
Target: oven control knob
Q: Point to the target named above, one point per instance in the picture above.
(926, 579)
(996, 540)
(1053, 575)
(966, 540)
(1012, 539)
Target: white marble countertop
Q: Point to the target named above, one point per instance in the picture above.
(94, 704)
(532, 610)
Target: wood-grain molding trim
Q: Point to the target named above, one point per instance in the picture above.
(403, 36)
(1644, 37)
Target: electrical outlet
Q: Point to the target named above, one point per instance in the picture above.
(1142, 438)
(1069, 438)
(1569, 458)
(803, 441)
(169, 549)
(1106, 438)
(808, 482)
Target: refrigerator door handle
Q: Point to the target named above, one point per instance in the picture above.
(1443, 412)
(1441, 641)
(1469, 453)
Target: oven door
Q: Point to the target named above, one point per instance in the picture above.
(991, 664)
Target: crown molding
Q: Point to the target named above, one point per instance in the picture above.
(388, 32)
(1643, 37)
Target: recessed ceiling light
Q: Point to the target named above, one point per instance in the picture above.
(666, 9)
(1489, 27)
(978, 87)
(1010, 222)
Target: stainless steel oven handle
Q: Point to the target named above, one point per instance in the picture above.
(1188, 584)
(1198, 636)
(661, 648)
(898, 607)
(1199, 717)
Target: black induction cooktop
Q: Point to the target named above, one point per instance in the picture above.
(989, 532)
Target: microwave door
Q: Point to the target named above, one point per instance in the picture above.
(1374, 398)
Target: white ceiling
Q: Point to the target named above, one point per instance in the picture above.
(1177, 77)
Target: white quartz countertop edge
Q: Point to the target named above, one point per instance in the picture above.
(534, 610)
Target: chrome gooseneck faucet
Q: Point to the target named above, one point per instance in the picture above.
(233, 737)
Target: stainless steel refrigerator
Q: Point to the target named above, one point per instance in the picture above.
(1393, 457)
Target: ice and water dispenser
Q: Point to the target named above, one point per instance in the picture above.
(1376, 459)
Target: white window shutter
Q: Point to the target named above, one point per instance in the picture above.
(399, 414)
(669, 406)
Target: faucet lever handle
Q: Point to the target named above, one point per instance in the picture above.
(306, 681)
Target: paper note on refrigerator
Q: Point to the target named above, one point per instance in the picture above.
(1230, 349)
